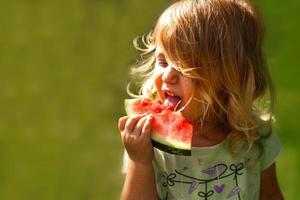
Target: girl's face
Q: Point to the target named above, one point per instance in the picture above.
(172, 87)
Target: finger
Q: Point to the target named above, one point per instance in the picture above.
(122, 122)
(147, 127)
(139, 126)
(131, 123)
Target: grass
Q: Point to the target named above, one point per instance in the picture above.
(64, 67)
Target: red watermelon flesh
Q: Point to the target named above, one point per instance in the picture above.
(171, 131)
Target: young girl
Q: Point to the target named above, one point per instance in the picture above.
(204, 58)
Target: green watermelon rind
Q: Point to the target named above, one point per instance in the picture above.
(161, 143)
(171, 150)
(170, 146)
(169, 142)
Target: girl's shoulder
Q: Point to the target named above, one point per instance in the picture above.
(265, 126)
(270, 141)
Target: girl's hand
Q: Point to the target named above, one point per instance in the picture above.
(135, 132)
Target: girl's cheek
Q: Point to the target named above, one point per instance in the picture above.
(157, 79)
(157, 76)
(188, 86)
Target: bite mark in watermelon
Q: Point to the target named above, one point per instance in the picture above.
(171, 131)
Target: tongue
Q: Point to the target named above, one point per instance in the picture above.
(172, 101)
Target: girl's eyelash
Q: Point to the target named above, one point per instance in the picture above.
(161, 60)
(163, 63)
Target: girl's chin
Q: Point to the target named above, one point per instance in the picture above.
(187, 116)
(189, 112)
(186, 112)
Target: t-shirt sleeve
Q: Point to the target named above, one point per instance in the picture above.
(272, 149)
(125, 163)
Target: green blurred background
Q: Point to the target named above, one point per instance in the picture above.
(64, 70)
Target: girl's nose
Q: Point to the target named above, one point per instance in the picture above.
(170, 75)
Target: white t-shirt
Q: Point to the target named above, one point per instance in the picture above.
(211, 172)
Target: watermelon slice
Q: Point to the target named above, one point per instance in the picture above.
(171, 132)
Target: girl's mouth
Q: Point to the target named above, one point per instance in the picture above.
(172, 101)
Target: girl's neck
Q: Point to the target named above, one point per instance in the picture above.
(209, 133)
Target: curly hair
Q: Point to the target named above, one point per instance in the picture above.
(218, 44)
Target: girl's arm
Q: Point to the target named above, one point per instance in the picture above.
(140, 179)
(269, 187)
(139, 183)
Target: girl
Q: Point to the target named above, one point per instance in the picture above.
(204, 58)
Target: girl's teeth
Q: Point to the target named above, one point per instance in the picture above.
(170, 94)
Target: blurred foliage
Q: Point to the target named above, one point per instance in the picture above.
(282, 47)
(64, 70)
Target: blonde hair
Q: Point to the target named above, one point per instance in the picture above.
(217, 43)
